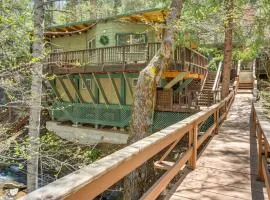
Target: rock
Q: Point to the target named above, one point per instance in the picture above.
(13, 192)
(8, 184)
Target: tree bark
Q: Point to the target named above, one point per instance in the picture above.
(229, 6)
(144, 98)
(35, 101)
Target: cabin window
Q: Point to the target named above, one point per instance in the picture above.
(92, 43)
(130, 38)
(58, 50)
(88, 82)
(134, 82)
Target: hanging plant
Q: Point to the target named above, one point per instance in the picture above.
(104, 40)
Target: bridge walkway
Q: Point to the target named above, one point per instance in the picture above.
(227, 169)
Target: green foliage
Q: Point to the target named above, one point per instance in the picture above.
(265, 95)
(64, 12)
(15, 32)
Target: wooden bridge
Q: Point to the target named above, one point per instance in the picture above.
(232, 166)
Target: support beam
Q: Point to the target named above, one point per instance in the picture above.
(65, 89)
(100, 89)
(184, 85)
(178, 78)
(55, 91)
(123, 90)
(89, 90)
(129, 85)
(115, 89)
(75, 89)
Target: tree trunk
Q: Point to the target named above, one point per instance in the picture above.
(229, 4)
(35, 101)
(144, 99)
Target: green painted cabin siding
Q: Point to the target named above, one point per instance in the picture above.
(70, 43)
(110, 29)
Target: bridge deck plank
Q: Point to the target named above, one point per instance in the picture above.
(227, 169)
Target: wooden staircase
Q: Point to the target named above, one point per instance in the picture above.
(245, 80)
(206, 97)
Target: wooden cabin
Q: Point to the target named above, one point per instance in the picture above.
(96, 64)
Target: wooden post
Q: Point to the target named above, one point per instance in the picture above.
(216, 116)
(226, 110)
(260, 172)
(124, 54)
(102, 56)
(193, 159)
(254, 121)
(190, 141)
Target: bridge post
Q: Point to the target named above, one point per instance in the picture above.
(193, 135)
(216, 118)
(260, 172)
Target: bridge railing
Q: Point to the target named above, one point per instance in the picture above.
(261, 126)
(92, 180)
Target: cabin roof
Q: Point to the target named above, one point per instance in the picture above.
(152, 16)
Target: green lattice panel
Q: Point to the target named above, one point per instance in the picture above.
(62, 111)
(165, 119)
(114, 115)
(111, 115)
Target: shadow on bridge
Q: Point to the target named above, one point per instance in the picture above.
(227, 168)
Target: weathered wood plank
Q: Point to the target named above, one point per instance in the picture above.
(227, 168)
(179, 77)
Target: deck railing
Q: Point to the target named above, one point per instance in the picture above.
(92, 180)
(184, 58)
(261, 125)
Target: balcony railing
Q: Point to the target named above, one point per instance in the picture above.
(185, 59)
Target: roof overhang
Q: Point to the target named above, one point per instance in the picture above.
(156, 16)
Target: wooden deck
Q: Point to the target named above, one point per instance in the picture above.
(129, 58)
(227, 169)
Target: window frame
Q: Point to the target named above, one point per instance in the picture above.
(118, 43)
(83, 86)
(91, 41)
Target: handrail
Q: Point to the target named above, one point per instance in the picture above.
(218, 76)
(217, 81)
(197, 52)
(261, 125)
(238, 67)
(204, 81)
(92, 180)
(255, 87)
